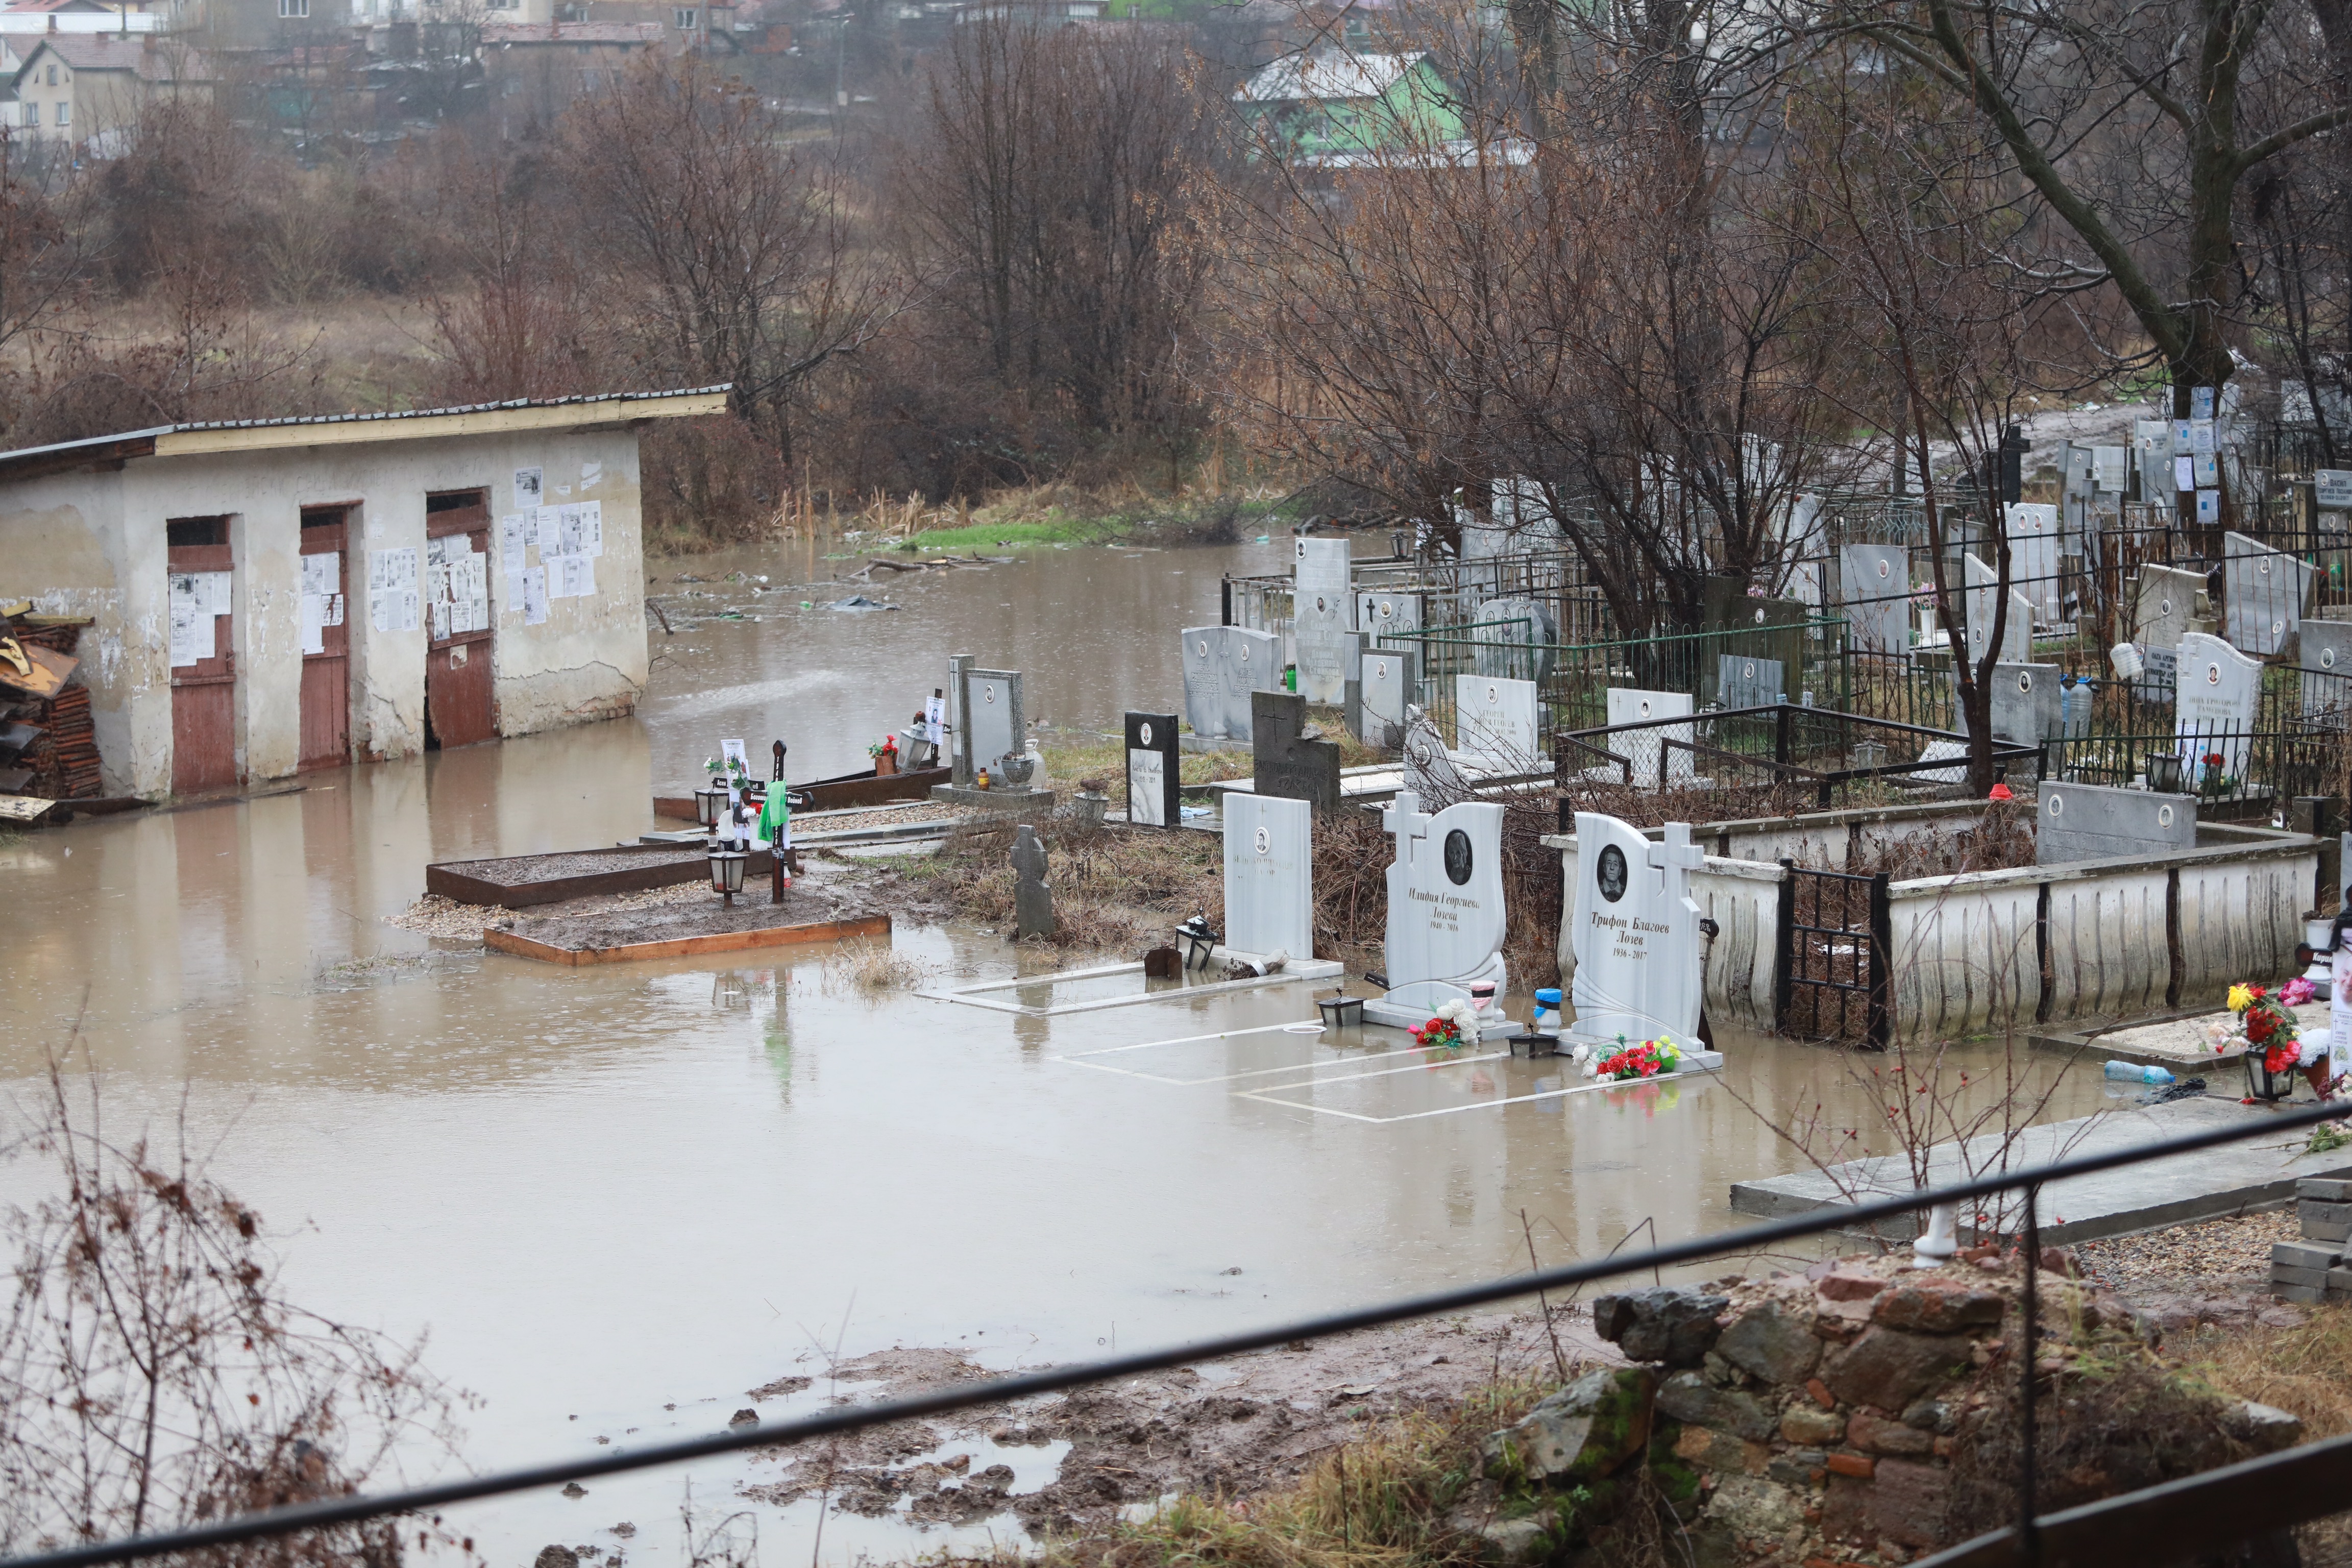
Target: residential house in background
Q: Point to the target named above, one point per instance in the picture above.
(83, 87)
(534, 71)
(1338, 109)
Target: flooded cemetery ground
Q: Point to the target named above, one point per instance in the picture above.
(627, 1202)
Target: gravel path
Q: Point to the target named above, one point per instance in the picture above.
(2213, 1253)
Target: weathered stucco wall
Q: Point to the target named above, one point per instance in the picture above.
(94, 544)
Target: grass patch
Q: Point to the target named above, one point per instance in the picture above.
(2305, 1371)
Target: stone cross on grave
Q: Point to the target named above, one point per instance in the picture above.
(1033, 897)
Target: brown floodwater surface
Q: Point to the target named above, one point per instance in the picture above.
(605, 1193)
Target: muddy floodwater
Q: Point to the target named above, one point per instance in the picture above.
(619, 1198)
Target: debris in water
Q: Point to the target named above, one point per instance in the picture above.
(574, 1489)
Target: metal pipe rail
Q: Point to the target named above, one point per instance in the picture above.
(1055, 1380)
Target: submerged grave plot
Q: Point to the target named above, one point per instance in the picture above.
(811, 911)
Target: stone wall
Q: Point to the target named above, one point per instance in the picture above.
(1806, 1417)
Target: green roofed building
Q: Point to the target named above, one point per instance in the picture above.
(1338, 109)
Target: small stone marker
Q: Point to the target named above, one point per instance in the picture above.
(1032, 896)
(1514, 637)
(1223, 665)
(1153, 780)
(2263, 592)
(2214, 713)
(1284, 763)
(1269, 877)
(1635, 932)
(1743, 680)
(1498, 722)
(1445, 893)
(1874, 584)
(1647, 750)
(2034, 531)
(2094, 822)
(1429, 768)
(2017, 632)
(1322, 613)
(1386, 692)
(2025, 703)
(2325, 649)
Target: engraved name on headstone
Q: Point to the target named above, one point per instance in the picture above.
(2164, 605)
(1635, 932)
(1223, 665)
(1745, 682)
(1383, 613)
(2025, 703)
(993, 728)
(2213, 715)
(1514, 637)
(1498, 722)
(1445, 892)
(2325, 651)
(1152, 771)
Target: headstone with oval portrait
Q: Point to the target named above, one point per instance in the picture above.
(2214, 715)
(1383, 612)
(1874, 585)
(993, 728)
(1152, 778)
(2026, 707)
(1269, 877)
(1648, 750)
(2095, 822)
(2263, 592)
(1223, 665)
(1445, 893)
(1385, 693)
(1743, 680)
(1322, 608)
(1430, 770)
(1635, 933)
(1497, 723)
(2327, 658)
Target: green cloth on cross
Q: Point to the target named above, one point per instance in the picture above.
(776, 816)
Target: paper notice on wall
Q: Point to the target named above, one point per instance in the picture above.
(580, 576)
(592, 528)
(440, 614)
(408, 610)
(391, 569)
(2209, 507)
(544, 523)
(323, 574)
(314, 622)
(2200, 436)
(184, 635)
(511, 600)
(528, 483)
(2207, 467)
(382, 610)
(567, 530)
(510, 542)
(2184, 474)
(534, 596)
(591, 475)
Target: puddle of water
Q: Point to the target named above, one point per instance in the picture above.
(614, 1190)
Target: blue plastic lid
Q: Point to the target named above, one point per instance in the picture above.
(1548, 996)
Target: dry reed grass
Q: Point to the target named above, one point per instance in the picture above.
(1112, 889)
(875, 970)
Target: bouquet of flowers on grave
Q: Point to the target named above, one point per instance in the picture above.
(732, 768)
(1455, 1025)
(886, 744)
(2268, 1022)
(1627, 1064)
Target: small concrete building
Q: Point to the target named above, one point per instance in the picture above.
(273, 596)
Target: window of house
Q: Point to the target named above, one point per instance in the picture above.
(53, 76)
(686, 18)
(32, 113)
(64, 114)
(293, 9)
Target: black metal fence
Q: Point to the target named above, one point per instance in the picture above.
(1836, 939)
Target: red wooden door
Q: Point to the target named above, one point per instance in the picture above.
(459, 705)
(202, 660)
(326, 674)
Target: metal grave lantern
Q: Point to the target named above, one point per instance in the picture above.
(727, 872)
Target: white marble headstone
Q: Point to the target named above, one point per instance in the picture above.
(1269, 876)
(2263, 591)
(2221, 690)
(1322, 617)
(1498, 722)
(1445, 892)
(1635, 933)
(2033, 544)
(1647, 749)
(2017, 635)
(1381, 613)
(2164, 602)
(1874, 585)
(1223, 665)
(1515, 637)
(1386, 692)
(1429, 768)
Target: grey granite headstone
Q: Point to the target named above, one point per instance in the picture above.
(1152, 778)
(1285, 763)
(1498, 722)
(2263, 592)
(2326, 659)
(1223, 665)
(2220, 691)
(1429, 768)
(1744, 682)
(1269, 876)
(1386, 613)
(1033, 897)
(2094, 822)
(1387, 690)
(958, 755)
(1514, 637)
(2025, 703)
(2164, 605)
(1647, 750)
(1874, 596)
(2016, 632)
(2034, 532)
(993, 728)
(1322, 608)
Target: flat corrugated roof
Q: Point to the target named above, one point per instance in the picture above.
(341, 429)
